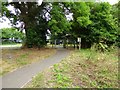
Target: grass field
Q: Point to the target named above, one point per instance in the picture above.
(11, 44)
(81, 69)
(16, 58)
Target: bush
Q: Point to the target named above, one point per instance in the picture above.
(11, 35)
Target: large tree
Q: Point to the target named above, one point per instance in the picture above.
(58, 23)
(81, 21)
(116, 13)
(94, 23)
(103, 27)
(34, 18)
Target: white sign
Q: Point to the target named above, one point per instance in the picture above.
(79, 39)
(40, 2)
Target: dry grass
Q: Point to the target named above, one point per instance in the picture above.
(94, 69)
(13, 59)
(82, 69)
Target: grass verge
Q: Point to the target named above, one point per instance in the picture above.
(13, 59)
(82, 69)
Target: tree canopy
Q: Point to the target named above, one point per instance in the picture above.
(7, 33)
(93, 22)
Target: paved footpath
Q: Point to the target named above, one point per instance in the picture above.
(21, 76)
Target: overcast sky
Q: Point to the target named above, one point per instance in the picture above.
(111, 1)
(6, 24)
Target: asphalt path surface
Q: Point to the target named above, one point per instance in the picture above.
(19, 77)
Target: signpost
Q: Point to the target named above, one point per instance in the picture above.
(67, 43)
(79, 40)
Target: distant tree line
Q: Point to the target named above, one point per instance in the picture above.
(11, 35)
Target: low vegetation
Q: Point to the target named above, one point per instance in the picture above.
(81, 69)
(11, 36)
(13, 59)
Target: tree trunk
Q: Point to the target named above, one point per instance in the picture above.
(85, 44)
(64, 43)
(25, 43)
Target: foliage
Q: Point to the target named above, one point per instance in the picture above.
(58, 24)
(61, 80)
(81, 13)
(81, 22)
(7, 33)
(32, 15)
(115, 12)
(36, 38)
(82, 69)
(4, 10)
(39, 78)
(103, 25)
(101, 47)
(93, 22)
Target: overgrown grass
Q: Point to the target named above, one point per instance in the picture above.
(13, 59)
(82, 69)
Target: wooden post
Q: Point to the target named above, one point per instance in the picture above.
(55, 43)
(79, 40)
(67, 43)
(52, 43)
(64, 43)
(75, 45)
(79, 45)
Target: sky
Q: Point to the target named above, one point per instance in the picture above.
(111, 1)
(6, 24)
